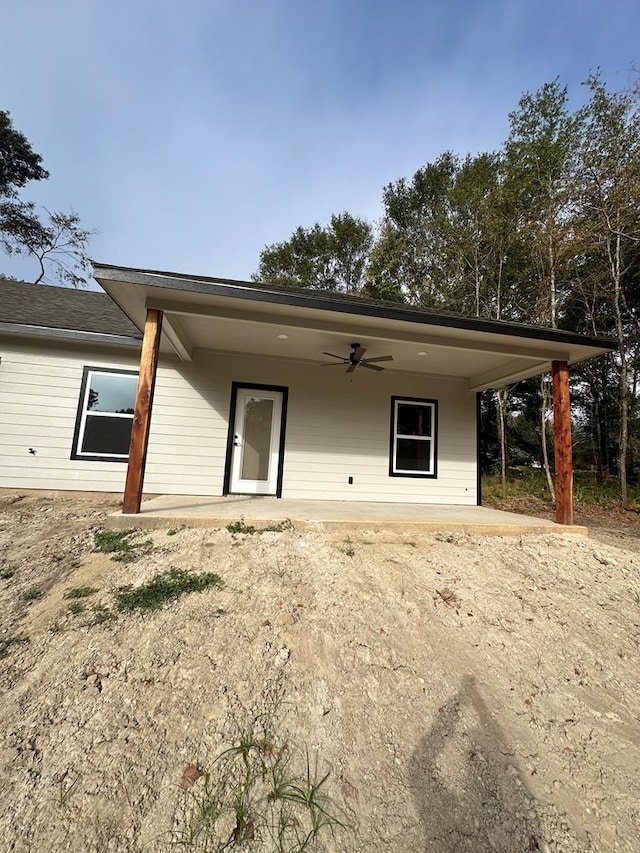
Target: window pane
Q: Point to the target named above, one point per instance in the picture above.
(256, 451)
(414, 420)
(107, 435)
(413, 455)
(112, 392)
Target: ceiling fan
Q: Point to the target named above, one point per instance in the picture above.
(356, 359)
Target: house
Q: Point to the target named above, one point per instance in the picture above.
(204, 386)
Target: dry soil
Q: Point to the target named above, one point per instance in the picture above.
(465, 694)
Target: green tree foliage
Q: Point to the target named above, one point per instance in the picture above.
(321, 258)
(540, 160)
(546, 231)
(19, 163)
(448, 239)
(56, 241)
(609, 234)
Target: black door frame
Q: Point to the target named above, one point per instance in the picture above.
(235, 387)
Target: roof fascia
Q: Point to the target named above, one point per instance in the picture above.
(51, 333)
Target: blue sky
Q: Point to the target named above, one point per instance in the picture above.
(191, 134)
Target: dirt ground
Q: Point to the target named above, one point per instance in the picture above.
(465, 694)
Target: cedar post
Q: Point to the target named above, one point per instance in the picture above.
(142, 415)
(562, 442)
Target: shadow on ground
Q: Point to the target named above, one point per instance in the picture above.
(469, 791)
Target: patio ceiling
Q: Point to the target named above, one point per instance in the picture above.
(240, 317)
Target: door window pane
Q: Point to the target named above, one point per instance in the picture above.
(256, 449)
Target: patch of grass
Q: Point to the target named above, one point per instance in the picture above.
(76, 608)
(255, 795)
(11, 640)
(173, 530)
(347, 548)
(123, 545)
(525, 482)
(100, 614)
(31, 594)
(80, 591)
(240, 527)
(55, 628)
(163, 588)
(8, 572)
(64, 790)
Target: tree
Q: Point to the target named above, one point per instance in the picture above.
(609, 226)
(540, 155)
(19, 163)
(410, 258)
(321, 258)
(56, 241)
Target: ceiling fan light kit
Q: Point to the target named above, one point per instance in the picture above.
(356, 359)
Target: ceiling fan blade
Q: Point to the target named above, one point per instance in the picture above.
(351, 367)
(370, 366)
(357, 354)
(333, 363)
(333, 355)
(379, 358)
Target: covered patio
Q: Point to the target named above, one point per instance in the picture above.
(258, 511)
(408, 438)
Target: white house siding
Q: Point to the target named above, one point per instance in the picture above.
(337, 426)
(39, 391)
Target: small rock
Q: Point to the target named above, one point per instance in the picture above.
(605, 561)
(283, 656)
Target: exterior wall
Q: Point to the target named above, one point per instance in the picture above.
(337, 426)
(39, 392)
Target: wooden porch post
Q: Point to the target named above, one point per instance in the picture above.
(562, 442)
(142, 415)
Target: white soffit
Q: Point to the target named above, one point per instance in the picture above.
(200, 321)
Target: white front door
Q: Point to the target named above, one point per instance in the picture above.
(255, 453)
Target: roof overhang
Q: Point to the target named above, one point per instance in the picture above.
(258, 319)
(75, 335)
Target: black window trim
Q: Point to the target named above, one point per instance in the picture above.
(84, 457)
(395, 399)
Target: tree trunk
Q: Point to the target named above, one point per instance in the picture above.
(501, 399)
(624, 386)
(544, 408)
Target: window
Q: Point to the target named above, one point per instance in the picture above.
(105, 414)
(414, 424)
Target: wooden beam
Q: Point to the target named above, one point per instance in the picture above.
(177, 337)
(506, 374)
(142, 415)
(562, 442)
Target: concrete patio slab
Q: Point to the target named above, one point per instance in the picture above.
(191, 511)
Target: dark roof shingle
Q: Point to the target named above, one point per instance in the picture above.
(62, 308)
